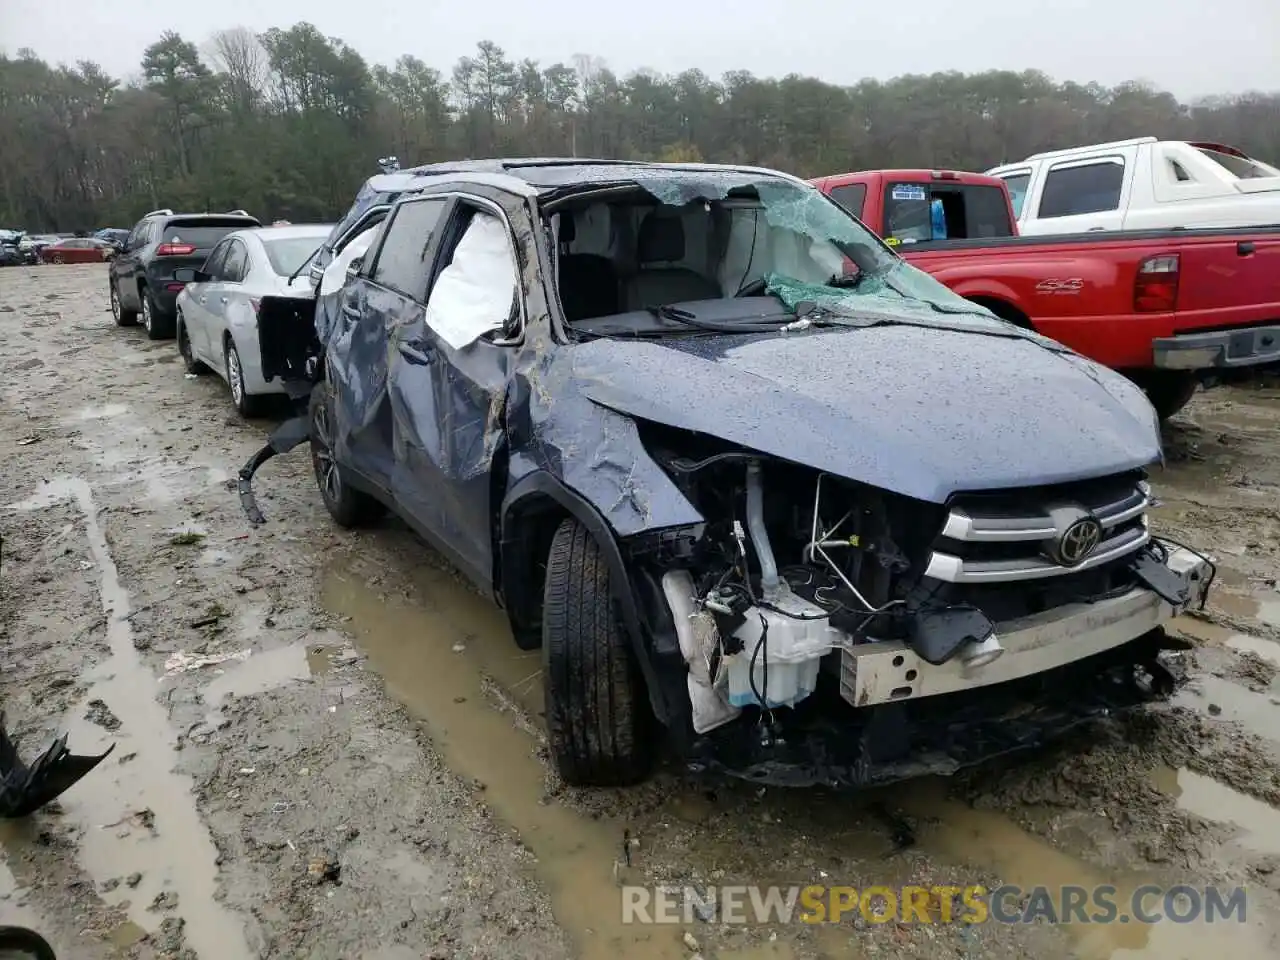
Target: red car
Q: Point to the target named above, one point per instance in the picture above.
(77, 250)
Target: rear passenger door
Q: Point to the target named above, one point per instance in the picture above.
(221, 295)
(197, 315)
(124, 269)
(389, 291)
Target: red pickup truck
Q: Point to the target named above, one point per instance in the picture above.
(1169, 308)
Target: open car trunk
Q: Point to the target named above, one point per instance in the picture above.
(287, 336)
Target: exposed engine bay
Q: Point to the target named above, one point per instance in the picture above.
(806, 594)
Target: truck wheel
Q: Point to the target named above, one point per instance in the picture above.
(122, 317)
(1168, 391)
(348, 507)
(598, 718)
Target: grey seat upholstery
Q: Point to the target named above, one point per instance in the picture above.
(659, 243)
(588, 283)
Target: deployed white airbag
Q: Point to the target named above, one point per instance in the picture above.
(335, 274)
(474, 294)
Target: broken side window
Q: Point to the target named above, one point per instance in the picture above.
(402, 261)
(474, 294)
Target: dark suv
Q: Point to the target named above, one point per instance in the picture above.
(737, 467)
(142, 274)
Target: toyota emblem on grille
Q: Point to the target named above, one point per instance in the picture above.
(1078, 541)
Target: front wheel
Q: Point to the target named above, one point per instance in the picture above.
(348, 507)
(599, 724)
(1168, 390)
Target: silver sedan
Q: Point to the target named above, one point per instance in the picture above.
(217, 323)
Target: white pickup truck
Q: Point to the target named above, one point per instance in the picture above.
(1142, 184)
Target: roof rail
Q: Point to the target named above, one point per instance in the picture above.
(166, 212)
(239, 212)
(1113, 145)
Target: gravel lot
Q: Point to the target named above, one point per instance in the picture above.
(356, 770)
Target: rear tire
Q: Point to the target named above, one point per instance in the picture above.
(158, 324)
(122, 317)
(249, 405)
(189, 361)
(598, 717)
(348, 507)
(1168, 390)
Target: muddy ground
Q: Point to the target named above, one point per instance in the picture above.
(325, 746)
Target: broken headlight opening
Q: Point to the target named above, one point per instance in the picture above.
(794, 565)
(817, 647)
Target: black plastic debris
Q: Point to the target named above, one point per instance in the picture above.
(25, 789)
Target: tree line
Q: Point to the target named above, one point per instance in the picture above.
(287, 123)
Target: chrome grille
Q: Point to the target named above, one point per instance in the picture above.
(995, 539)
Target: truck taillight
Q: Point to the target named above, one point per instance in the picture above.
(174, 249)
(1155, 289)
(945, 175)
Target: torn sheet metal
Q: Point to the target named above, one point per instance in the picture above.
(290, 434)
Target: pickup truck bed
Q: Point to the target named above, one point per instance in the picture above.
(1169, 308)
(1223, 292)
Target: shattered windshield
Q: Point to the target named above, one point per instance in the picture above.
(631, 251)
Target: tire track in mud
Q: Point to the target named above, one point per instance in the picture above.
(177, 849)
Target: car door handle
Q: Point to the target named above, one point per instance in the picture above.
(1244, 248)
(418, 353)
(224, 299)
(351, 310)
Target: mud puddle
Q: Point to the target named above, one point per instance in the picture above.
(1259, 823)
(1258, 713)
(1217, 635)
(433, 655)
(270, 669)
(140, 835)
(448, 656)
(1252, 606)
(983, 837)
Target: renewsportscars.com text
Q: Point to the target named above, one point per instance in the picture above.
(748, 904)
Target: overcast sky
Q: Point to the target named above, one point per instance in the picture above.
(1190, 47)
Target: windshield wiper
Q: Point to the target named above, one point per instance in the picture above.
(311, 256)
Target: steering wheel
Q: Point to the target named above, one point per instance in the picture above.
(754, 288)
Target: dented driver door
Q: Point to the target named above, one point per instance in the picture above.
(448, 386)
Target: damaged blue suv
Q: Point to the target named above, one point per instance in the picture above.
(757, 487)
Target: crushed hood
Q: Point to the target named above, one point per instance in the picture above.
(921, 412)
